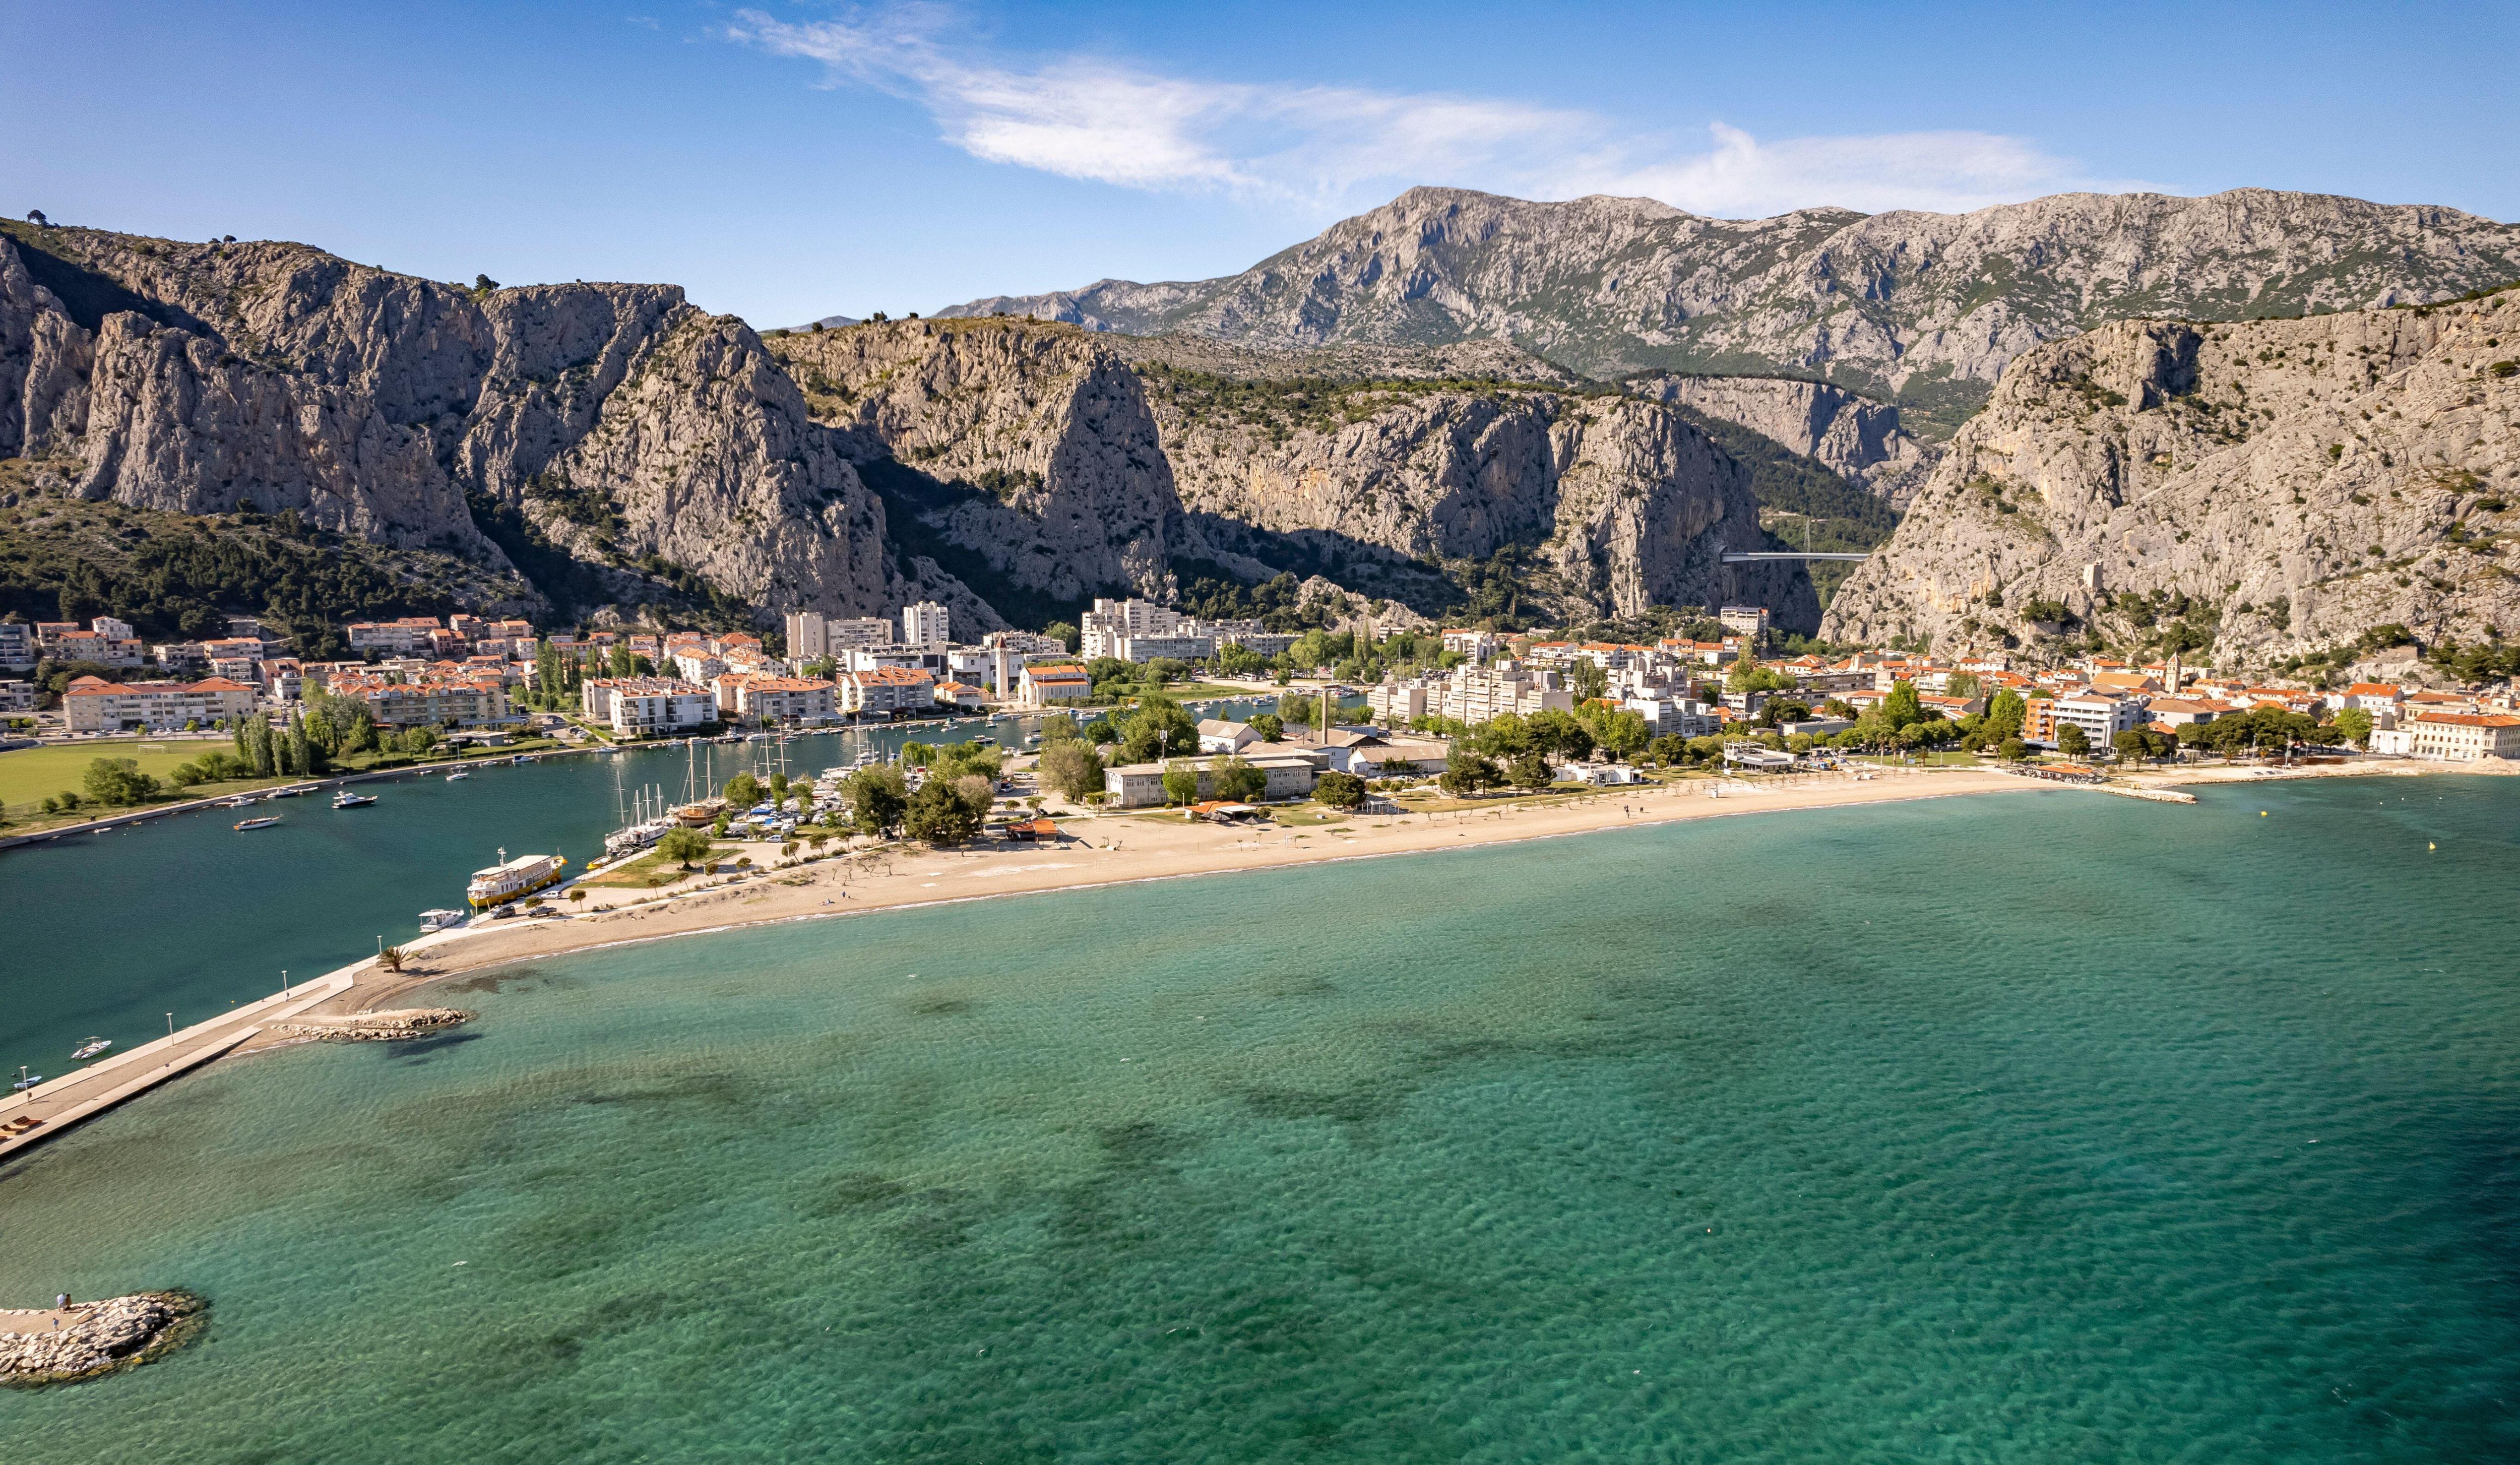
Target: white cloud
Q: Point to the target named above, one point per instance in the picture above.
(1325, 146)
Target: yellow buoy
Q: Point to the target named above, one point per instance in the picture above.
(2430, 845)
(2262, 813)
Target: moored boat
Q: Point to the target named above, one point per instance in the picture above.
(349, 800)
(458, 775)
(264, 823)
(433, 921)
(90, 1049)
(513, 879)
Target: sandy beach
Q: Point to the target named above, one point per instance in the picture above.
(1119, 848)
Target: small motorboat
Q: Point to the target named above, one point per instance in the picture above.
(264, 823)
(345, 800)
(90, 1049)
(286, 793)
(433, 921)
(26, 1080)
(458, 775)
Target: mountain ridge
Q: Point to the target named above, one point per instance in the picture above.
(1921, 308)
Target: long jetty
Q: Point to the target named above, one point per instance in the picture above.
(30, 1118)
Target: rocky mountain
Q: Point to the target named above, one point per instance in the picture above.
(1044, 462)
(1856, 437)
(1922, 308)
(2255, 490)
(620, 444)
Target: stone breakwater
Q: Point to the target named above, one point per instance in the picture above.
(95, 1337)
(376, 1027)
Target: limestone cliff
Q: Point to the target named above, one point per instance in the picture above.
(1030, 449)
(1856, 437)
(628, 446)
(1067, 464)
(1925, 309)
(2275, 487)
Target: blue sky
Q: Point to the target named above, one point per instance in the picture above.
(789, 161)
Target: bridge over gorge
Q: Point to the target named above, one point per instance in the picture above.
(1750, 556)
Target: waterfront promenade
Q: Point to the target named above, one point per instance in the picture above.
(58, 1105)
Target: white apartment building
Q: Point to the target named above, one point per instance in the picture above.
(1022, 643)
(93, 704)
(391, 638)
(17, 698)
(1475, 694)
(1142, 631)
(787, 699)
(2101, 716)
(2452, 736)
(1675, 717)
(1743, 620)
(809, 636)
(1402, 702)
(647, 707)
(925, 624)
(18, 649)
(885, 690)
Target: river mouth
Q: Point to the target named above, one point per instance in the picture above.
(1791, 1135)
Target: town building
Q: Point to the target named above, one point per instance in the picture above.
(808, 636)
(1745, 620)
(2101, 716)
(1398, 701)
(885, 690)
(925, 624)
(1475, 694)
(404, 636)
(1478, 645)
(1140, 785)
(961, 697)
(92, 704)
(646, 706)
(1048, 683)
(17, 698)
(783, 699)
(18, 649)
(2452, 736)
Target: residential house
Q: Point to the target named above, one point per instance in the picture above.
(1140, 785)
(1218, 735)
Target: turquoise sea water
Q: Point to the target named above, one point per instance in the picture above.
(2035, 1128)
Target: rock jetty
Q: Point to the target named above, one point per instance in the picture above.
(94, 1338)
(376, 1027)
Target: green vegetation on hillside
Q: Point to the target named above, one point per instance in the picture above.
(176, 576)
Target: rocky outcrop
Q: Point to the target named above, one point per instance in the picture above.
(101, 1337)
(1045, 462)
(1923, 307)
(44, 362)
(705, 459)
(1623, 504)
(2276, 487)
(659, 446)
(1856, 437)
(178, 423)
(376, 1027)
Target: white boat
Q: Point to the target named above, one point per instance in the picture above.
(636, 836)
(90, 1049)
(264, 823)
(26, 1080)
(433, 921)
(458, 775)
(347, 800)
(513, 879)
(287, 793)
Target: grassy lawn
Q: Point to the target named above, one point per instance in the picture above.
(653, 866)
(1306, 816)
(29, 776)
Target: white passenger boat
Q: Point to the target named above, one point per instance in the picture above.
(513, 879)
(433, 921)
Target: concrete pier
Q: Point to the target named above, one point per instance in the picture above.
(57, 1105)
